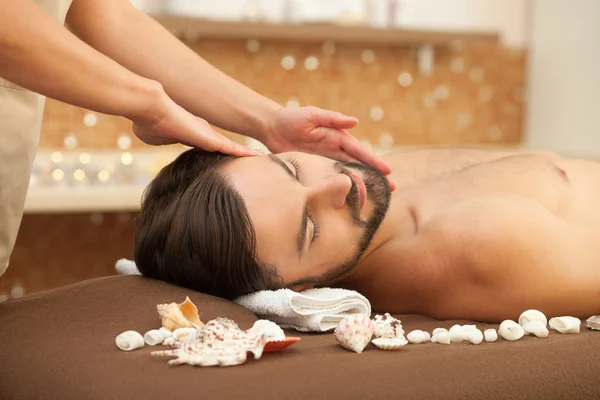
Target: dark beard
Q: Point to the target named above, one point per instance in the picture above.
(378, 191)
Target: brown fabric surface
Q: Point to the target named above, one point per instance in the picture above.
(60, 345)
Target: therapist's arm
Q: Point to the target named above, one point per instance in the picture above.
(117, 29)
(39, 54)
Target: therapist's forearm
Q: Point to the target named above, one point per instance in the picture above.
(39, 54)
(133, 39)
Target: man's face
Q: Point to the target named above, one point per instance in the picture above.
(313, 217)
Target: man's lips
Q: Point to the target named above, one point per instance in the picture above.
(362, 190)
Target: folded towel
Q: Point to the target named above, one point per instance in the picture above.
(312, 310)
(126, 267)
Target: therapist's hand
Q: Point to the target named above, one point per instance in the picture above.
(168, 123)
(322, 132)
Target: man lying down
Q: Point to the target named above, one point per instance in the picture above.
(468, 234)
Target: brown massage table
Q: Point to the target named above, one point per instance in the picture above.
(60, 345)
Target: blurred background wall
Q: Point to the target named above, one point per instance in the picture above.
(563, 78)
(499, 73)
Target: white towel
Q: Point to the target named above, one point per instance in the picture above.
(127, 267)
(312, 310)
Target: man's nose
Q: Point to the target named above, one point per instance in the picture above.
(332, 189)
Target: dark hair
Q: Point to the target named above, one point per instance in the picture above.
(194, 230)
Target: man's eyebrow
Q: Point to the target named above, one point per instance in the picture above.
(278, 161)
(301, 235)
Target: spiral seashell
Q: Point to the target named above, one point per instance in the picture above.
(456, 334)
(474, 336)
(153, 337)
(418, 336)
(565, 324)
(532, 315)
(184, 315)
(593, 322)
(354, 332)
(386, 326)
(129, 340)
(385, 343)
(536, 328)
(510, 330)
(165, 332)
(490, 335)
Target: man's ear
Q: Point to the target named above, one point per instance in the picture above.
(300, 288)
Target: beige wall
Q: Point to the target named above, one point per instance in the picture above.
(563, 109)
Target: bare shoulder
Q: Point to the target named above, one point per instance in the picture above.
(511, 253)
(479, 228)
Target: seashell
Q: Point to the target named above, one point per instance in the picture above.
(279, 344)
(532, 315)
(129, 340)
(510, 330)
(220, 342)
(268, 328)
(354, 332)
(185, 334)
(153, 337)
(565, 324)
(169, 341)
(418, 336)
(593, 322)
(385, 343)
(536, 328)
(165, 332)
(474, 336)
(184, 315)
(467, 328)
(386, 326)
(441, 336)
(490, 335)
(456, 334)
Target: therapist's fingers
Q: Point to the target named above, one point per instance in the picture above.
(357, 150)
(344, 156)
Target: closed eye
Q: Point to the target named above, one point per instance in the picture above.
(298, 174)
(296, 166)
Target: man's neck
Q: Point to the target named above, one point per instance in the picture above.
(397, 223)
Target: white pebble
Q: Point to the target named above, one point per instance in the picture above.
(536, 328)
(438, 330)
(442, 337)
(510, 330)
(490, 335)
(129, 340)
(418, 336)
(456, 334)
(153, 337)
(474, 336)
